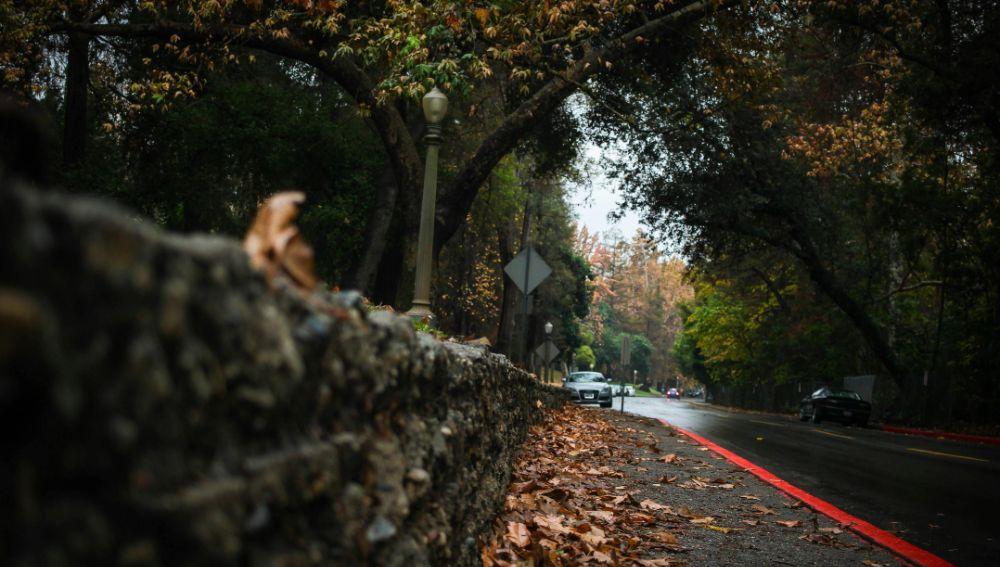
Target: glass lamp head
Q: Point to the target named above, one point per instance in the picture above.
(435, 105)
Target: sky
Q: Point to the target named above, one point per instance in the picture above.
(597, 196)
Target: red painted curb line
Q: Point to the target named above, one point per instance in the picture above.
(945, 434)
(893, 543)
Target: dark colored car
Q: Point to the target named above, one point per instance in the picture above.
(589, 388)
(673, 393)
(835, 405)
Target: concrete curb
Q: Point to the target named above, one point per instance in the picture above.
(893, 543)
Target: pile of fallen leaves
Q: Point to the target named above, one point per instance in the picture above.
(567, 507)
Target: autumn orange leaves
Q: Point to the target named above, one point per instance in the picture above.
(565, 507)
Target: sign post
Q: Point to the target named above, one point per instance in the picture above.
(626, 360)
(547, 352)
(527, 270)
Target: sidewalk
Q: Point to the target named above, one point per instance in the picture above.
(599, 487)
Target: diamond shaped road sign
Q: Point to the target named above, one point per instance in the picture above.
(547, 351)
(531, 269)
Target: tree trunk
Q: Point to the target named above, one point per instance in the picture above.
(508, 303)
(862, 321)
(388, 281)
(77, 82)
(362, 275)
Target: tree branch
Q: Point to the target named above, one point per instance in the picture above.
(388, 123)
(456, 201)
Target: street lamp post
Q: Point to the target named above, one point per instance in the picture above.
(435, 105)
(548, 355)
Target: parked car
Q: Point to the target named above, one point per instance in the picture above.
(673, 393)
(589, 388)
(835, 405)
(695, 393)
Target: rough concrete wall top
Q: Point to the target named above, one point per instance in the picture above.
(164, 406)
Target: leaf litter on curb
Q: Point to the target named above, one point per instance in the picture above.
(565, 506)
(571, 503)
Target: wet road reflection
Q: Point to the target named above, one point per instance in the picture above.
(938, 494)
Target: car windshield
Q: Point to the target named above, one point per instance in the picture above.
(585, 377)
(847, 394)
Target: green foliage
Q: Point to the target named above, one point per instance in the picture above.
(206, 164)
(424, 326)
(584, 357)
(737, 333)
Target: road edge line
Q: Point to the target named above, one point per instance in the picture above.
(876, 535)
(984, 439)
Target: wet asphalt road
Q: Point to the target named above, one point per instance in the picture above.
(941, 495)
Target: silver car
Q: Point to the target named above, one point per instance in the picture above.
(589, 388)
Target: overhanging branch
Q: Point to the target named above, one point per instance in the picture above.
(456, 202)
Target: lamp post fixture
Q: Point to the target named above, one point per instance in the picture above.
(435, 105)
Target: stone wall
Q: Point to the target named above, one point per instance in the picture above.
(163, 406)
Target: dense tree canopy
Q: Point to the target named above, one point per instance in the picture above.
(845, 148)
(506, 64)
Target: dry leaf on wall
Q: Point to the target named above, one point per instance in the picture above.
(276, 246)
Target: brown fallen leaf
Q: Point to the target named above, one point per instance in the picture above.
(604, 515)
(720, 529)
(667, 479)
(665, 537)
(831, 530)
(548, 544)
(749, 497)
(276, 246)
(602, 557)
(788, 523)
(703, 520)
(763, 510)
(551, 523)
(668, 458)
(518, 534)
(648, 504)
(871, 563)
(640, 518)
(617, 500)
(593, 536)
